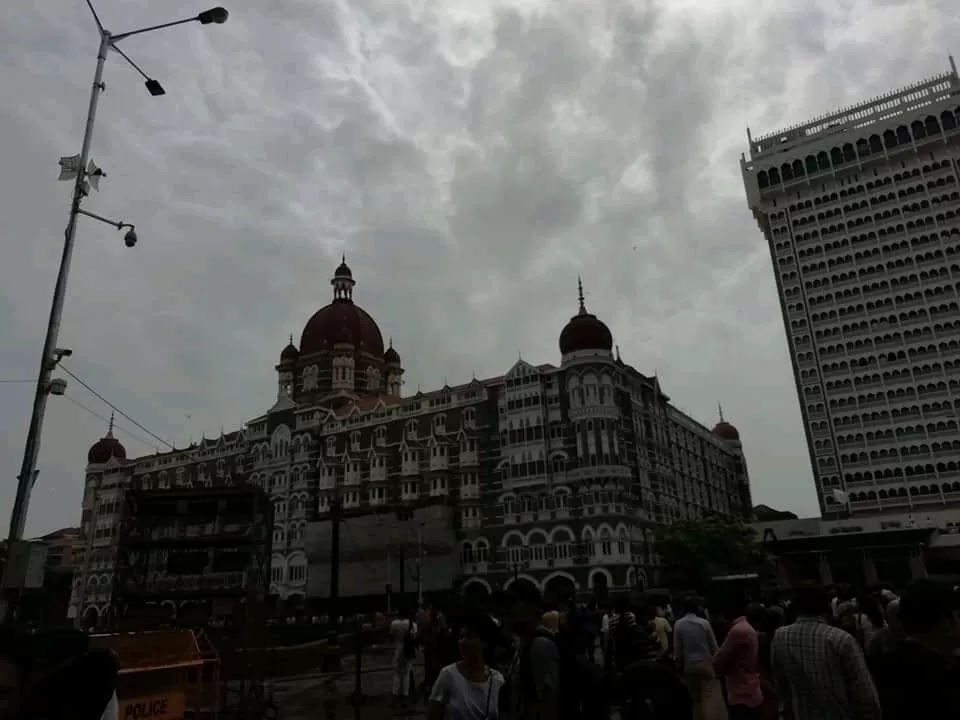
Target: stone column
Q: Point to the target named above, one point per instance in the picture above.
(918, 567)
(870, 576)
(826, 572)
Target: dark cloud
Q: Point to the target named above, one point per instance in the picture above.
(470, 158)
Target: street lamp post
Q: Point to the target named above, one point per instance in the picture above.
(85, 175)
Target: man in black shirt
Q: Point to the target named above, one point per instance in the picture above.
(919, 676)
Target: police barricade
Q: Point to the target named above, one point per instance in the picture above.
(164, 675)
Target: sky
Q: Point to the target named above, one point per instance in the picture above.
(470, 157)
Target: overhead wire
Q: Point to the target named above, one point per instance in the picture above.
(97, 415)
(93, 391)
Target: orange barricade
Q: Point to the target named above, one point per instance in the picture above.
(164, 675)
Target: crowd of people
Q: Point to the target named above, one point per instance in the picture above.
(813, 654)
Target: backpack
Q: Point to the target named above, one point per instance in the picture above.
(409, 643)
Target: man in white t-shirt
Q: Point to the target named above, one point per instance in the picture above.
(403, 632)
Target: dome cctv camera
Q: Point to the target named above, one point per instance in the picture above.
(130, 239)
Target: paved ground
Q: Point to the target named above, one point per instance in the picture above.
(309, 697)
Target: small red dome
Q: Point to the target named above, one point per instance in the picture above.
(391, 356)
(726, 431)
(106, 448)
(289, 354)
(585, 332)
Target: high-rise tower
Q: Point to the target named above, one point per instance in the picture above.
(861, 210)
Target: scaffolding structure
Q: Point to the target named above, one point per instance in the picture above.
(200, 557)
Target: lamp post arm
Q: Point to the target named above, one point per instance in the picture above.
(141, 31)
(28, 469)
(106, 221)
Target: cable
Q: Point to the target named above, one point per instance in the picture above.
(107, 420)
(4, 381)
(113, 407)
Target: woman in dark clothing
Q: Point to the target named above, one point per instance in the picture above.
(429, 637)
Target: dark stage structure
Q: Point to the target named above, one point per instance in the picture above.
(199, 558)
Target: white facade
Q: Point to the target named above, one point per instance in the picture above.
(861, 210)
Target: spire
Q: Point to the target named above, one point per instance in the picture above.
(583, 306)
(720, 412)
(291, 338)
(390, 342)
(618, 353)
(343, 258)
(110, 427)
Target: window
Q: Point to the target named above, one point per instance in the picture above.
(298, 573)
(381, 436)
(470, 418)
(355, 441)
(331, 446)
(469, 486)
(377, 495)
(470, 517)
(410, 490)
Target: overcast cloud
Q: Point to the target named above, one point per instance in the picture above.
(469, 156)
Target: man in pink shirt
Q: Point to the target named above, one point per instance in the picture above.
(738, 662)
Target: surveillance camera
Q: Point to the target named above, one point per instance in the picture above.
(130, 239)
(63, 352)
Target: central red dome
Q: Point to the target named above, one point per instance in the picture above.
(341, 321)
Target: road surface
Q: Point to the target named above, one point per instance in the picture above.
(306, 697)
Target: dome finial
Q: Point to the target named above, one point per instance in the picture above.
(110, 427)
(583, 306)
(720, 412)
(618, 354)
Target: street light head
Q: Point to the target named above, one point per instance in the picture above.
(130, 239)
(155, 88)
(216, 16)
